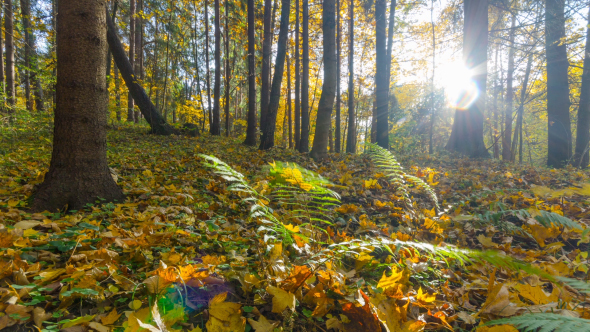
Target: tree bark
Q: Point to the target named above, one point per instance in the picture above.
(381, 85)
(338, 144)
(506, 146)
(9, 36)
(289, 110)
(25, 13)
(251, 129)
(138, 48)
(559, 143)
(207, 64)
(2, 79)
(117, 94)
(150, 113)
(216, 126)
(268, 131)
(265, 71)
(583, 129)
(326, 103)
(227, 70)
(467, 133)
(297, 81)
(78, 173)
(130, 105)
(304, 143)
(351, 139)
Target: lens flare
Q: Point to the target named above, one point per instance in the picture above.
(460, 89)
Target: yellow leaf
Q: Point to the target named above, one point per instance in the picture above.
(111, 318)
(281, 299)
(262, 325)
(51, 274)
(136, 304)
(390, 282)
(78, 321)
(196, 329)
(425, 297)
(294, 229)
(535, 294)
(98, 327)
(486, 241)
(225, 316)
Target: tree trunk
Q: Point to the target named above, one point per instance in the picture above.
(381, 85)
(326, 103)
(338, 120)
(117, 94)
(33, 65)
(289, 110)
(25, 14)
(138, 48)
(351, 139)
(2, 80)
(297, 81)
(115, 6)
(251, 129)
(265, 71)
(304, 142)
(506, 146)
(227, 69)
(150, 113)
(583, 129)
(9, 36)
(130, 107)
(495, 92)
(216, 126)
(207, 64)
(166, 60)
(467, 133)
(78, 173)
(559, 143)
(268, 131)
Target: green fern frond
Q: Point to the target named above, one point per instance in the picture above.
(547, 218)
(273, 228)
(545, 322)
(387, 162)
(578, 285)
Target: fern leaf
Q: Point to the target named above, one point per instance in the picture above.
(545, 322)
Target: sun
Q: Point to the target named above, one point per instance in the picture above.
(457, 82)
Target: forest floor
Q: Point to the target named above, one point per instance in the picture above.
(188, 252)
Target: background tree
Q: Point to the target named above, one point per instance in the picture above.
(351, 136)
(78, 173)
(216, 125)
(583, 129)
(559, 133)
(251, 118)
(467, 134)
(304, 143)
(9, 46)
(324, 116)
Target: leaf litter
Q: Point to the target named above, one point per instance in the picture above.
(272, 241)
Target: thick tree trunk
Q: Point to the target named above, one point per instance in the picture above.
(138, 48)
(467, 133)
(506, 145)
(227, 70)
(265, 71)
(9, 36)
(251, 129)
(381, 85)
(324, 117)
(338, 144)
(559, 143)
(78, 173)
(25, 14)
(268, 131)
(289, 110)
(304, 142)
(117, 94)
(148, 110)
(216, 126)
(130, 107)
(2, 79)
(207, 65)
(297, 81)
(351, 139)
(583, 129)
